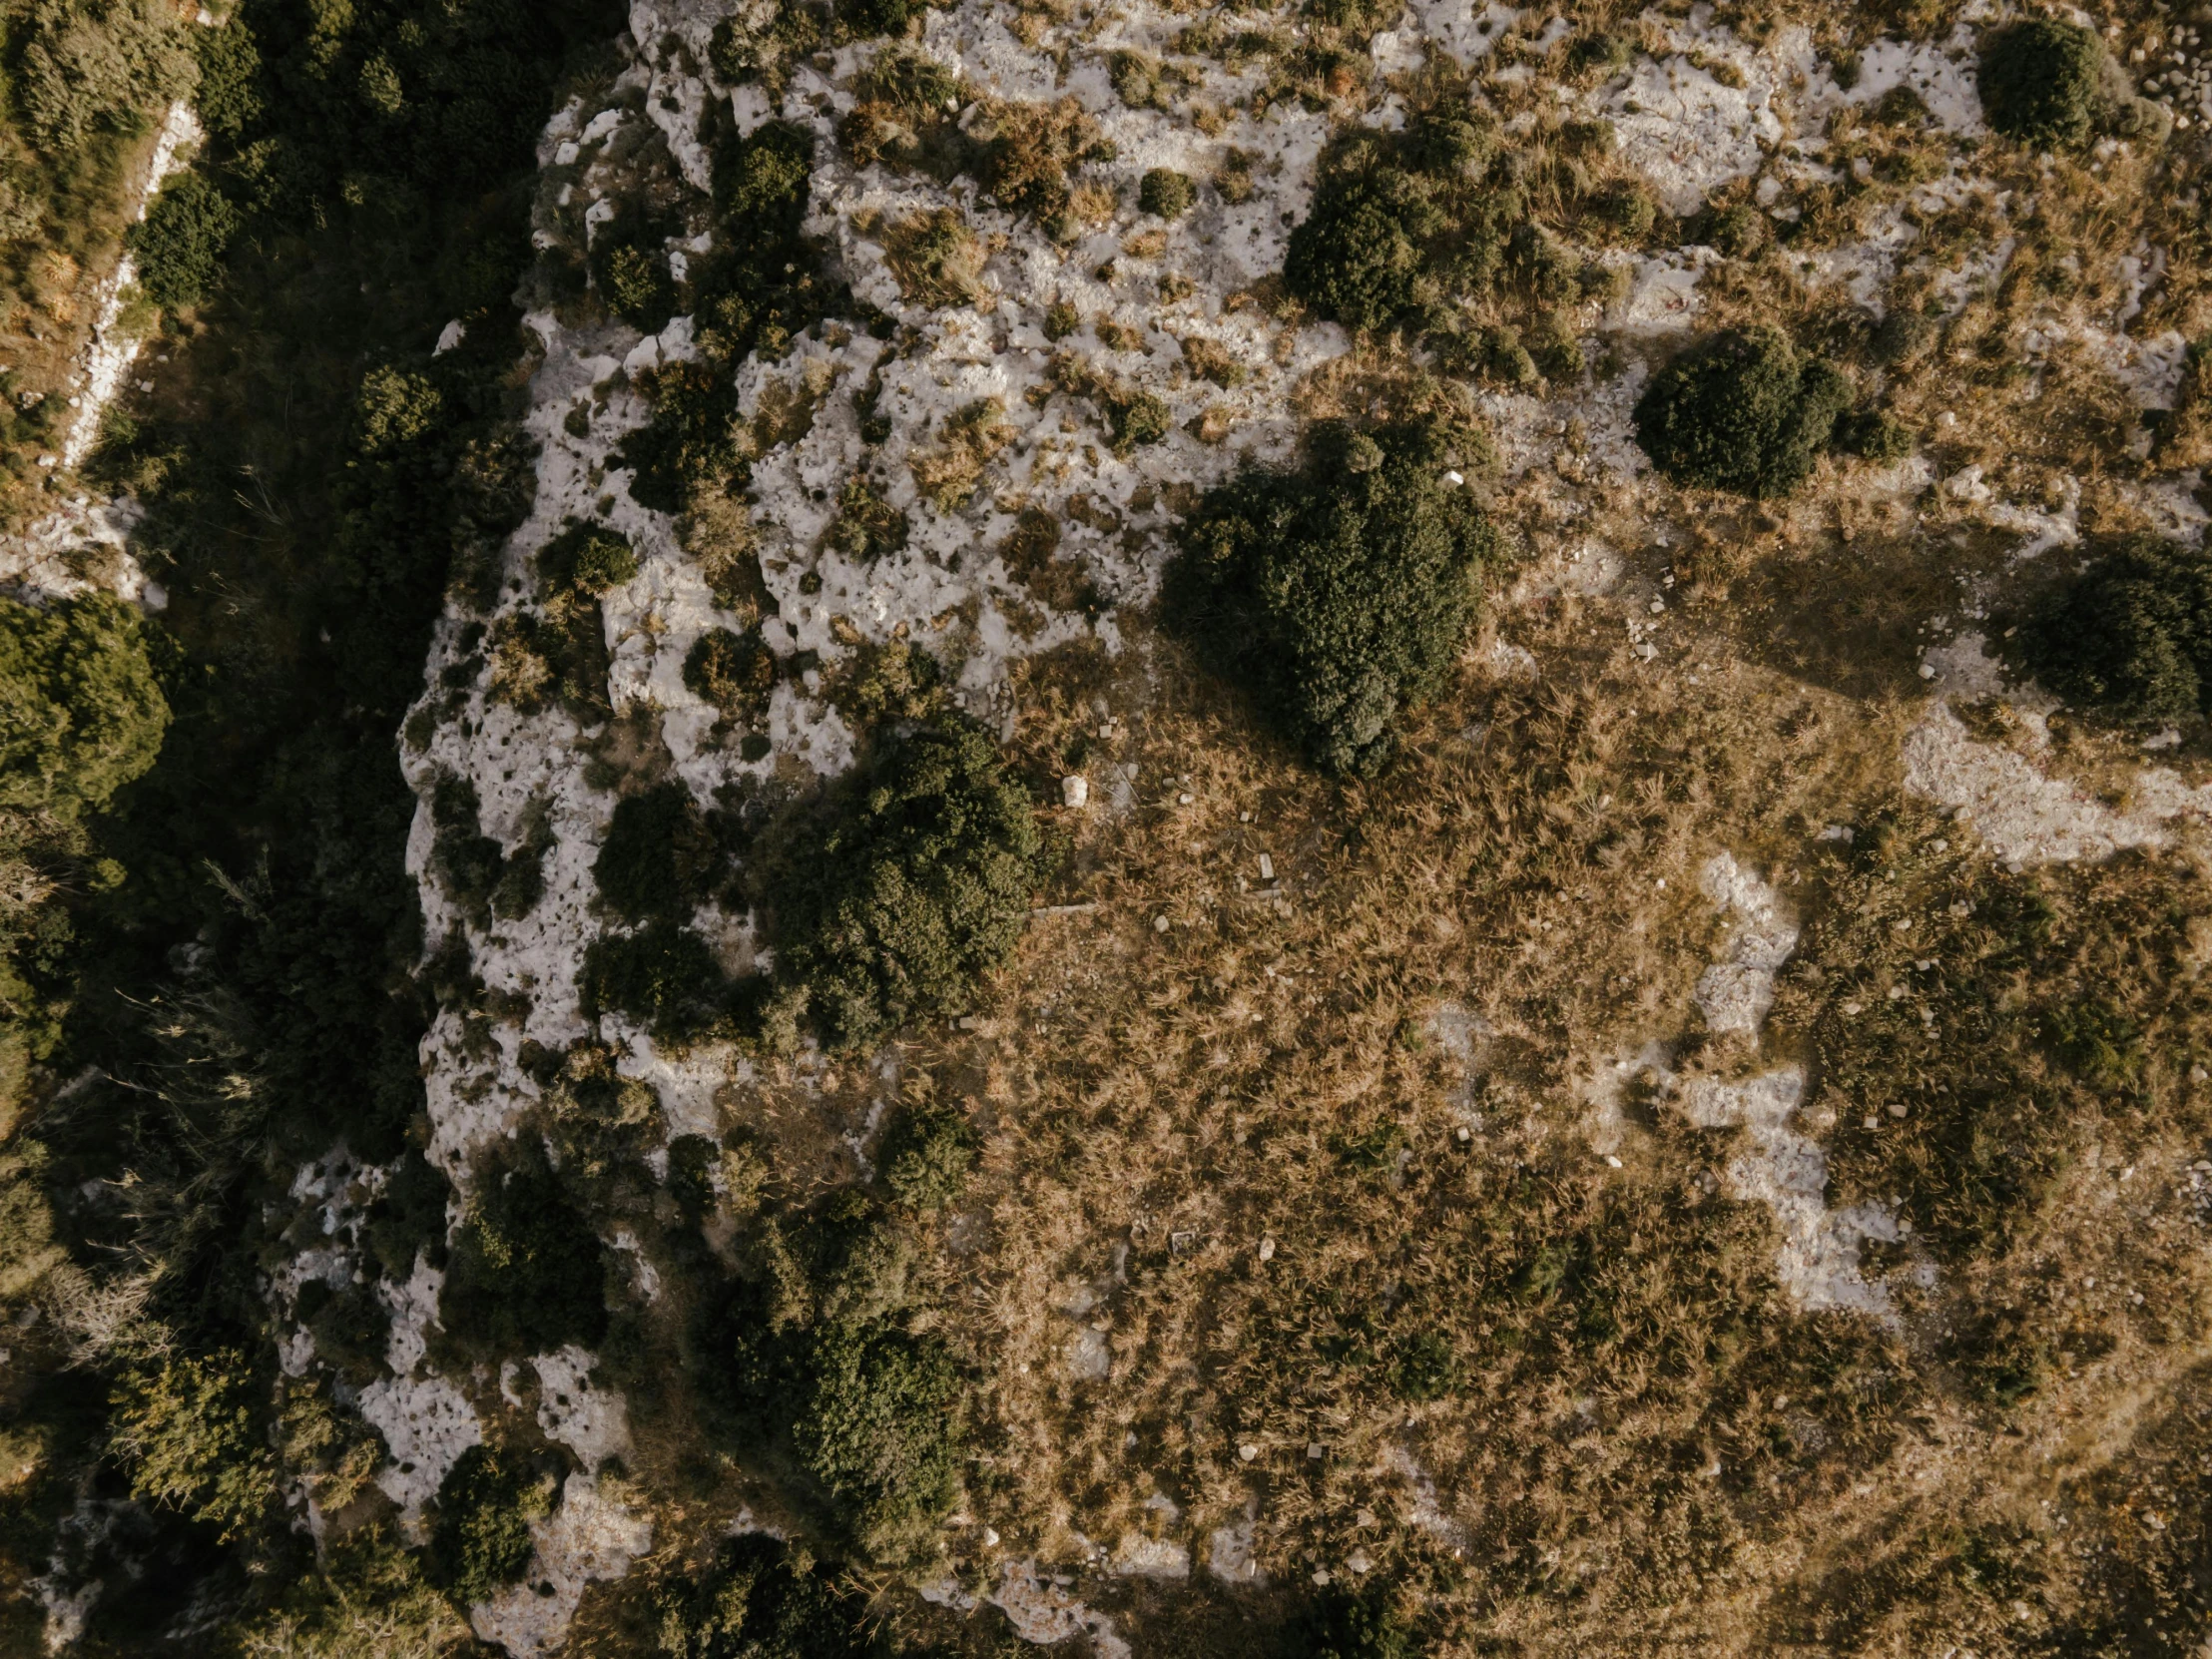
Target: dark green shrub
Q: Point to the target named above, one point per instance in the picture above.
(754, 1601)
(1358, 256)
(1745, 411)
(2095, 1040)
(892, 681)
(2039, 81)
(663, 976)
(189, 1431)
(866, 19)
(480, 1536)
(1337, 596)
(81, 713)
(527, 1271)
(629, 262)
(81, 67)
(879, 1431)
(927, 1156)
(733, 672)
(754, 289)
(658, 856)
(588, 559)
(1342, 1623)
(1875, 435)
(1738, 231)
(1166, 192)
(909, 884)
(179, 245)
(1135, 418)
(229, 97)
(2132, 633)
(1426, 1369)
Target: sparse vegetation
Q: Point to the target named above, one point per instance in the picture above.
(1743, 411)
(1337, 596)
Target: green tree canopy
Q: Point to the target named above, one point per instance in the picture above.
(1743, 411)
(1337, 596)
(81, 713)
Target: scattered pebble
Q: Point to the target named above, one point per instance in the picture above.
(1160, 925)
(1075, 791)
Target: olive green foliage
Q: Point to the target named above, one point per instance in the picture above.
(89, 64)
(663, 975)
(368, 1601)
(2132, 634)
(1361, 255)
(189, 1433)
(1404, 225)
(1342, 1623)
(81, 712)
(1166, 192)
(816, 1356)
(478, 873)
(179, 245)
(908, 886)
(927, 1156)
(1873, 435)
(588, 559)
(526, 1274)
(1743, 411)
(754, 289)
(1337, 596)
(658, 854)
(229, 96)
(735, 672)
(2039, 81)
(480, 1537)
(754, 1601)
(892, 681)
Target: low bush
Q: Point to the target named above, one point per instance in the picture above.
(1407, 226)
(86, 66)
(2132, 634)
(927, 1156)
(190, 1429)
(754, 1600)
(1360, 256)
(879, 1430)
(179, 245)
(663, 976)
(754, 289)
(480, 1534)
(81, 710)
(1343, 1623)
(733, 672)
(908, 886)
(527, 1272)
(2039, 81)
(588, 559)
(659, 857)
(815, 1353)
(1743, 411)
(1338, 595)
(1166, 192)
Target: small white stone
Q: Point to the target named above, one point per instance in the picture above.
(1185, 799)
(1927, 670)
(1267, 868)
(1453, 478)
(1267, 1249)
(1075, 791)
(1248, 1451)
(990, 1537)
(1314, 1451)
(1159, 924)
(1612, 1162)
